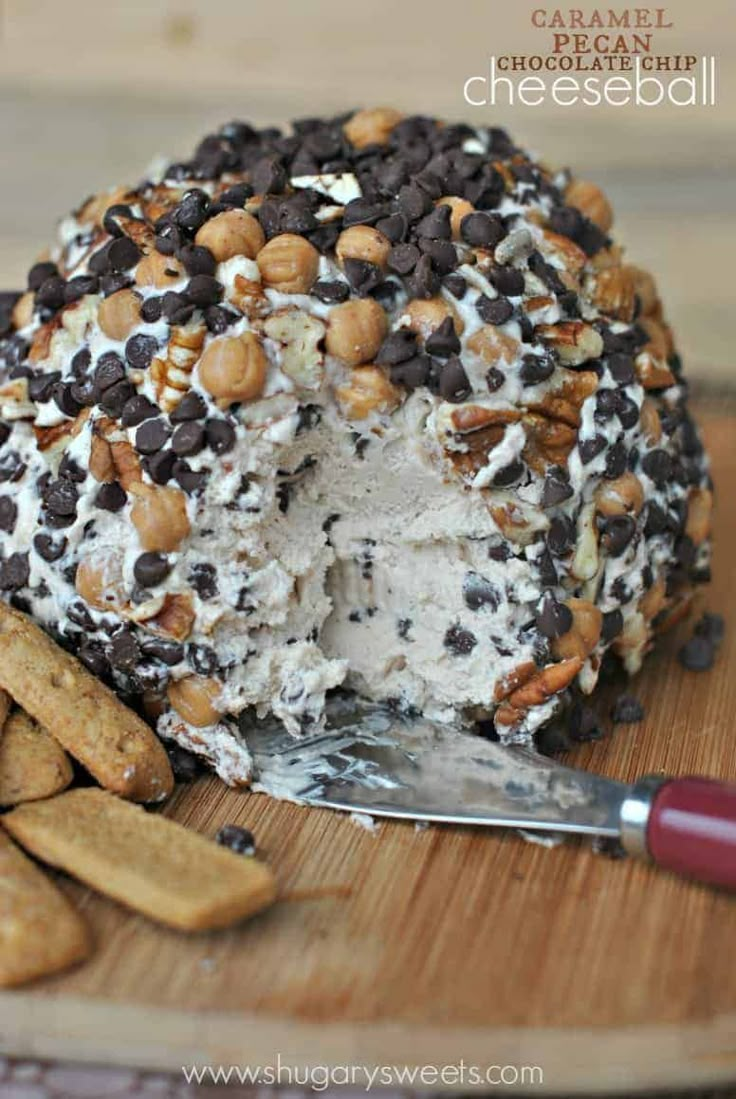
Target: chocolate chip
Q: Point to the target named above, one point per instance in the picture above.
(657, 464)
(176, 308)
(124, 652)
(50, 294)
(191, 407)
(237, 195)
(80, 285)
(398, 347)
(203, 659)
(191, 212)
(362, 276)
(65, 400)
(185, 766)
(557, 487)
(168, 238)
(621, 368)
(15, 572)
(607, 404)
(494, 310)
(160, 466)
(395, 227)
(109, 371)
(220, 435)
(444, 341)
(553, 619)
(237, 839)
(151, 436)
(218, 319)
(41, 386)
(61, 497)
(712, 626)
(40, 272)
(628, 412)
(123, 254)
(140, 349)
(459, 642)
(197, 260)
(151, 568)
(626, 710)
(435, 225)
(48, 548)
(454, 384)
(536, 368)
(111, 496)
(136, 410)
(114, 399)
(561, 536)
(188, 438)
(479, 592)
(330, 291)
(204, 290)
(618, 531)
(169, 652)
(95, 661)
(616, 461)
(482, 230)
(507, 280)
(403, 258)
(698, 654)
(151, 310)
(69, 468)
(8, 514)
(413, 373)
(613, 624)
(203, 578)
(509, 474)
(189, 479)
(583, 723)
(268, 176)
(495, 378)
(424, 283)
(456, 284)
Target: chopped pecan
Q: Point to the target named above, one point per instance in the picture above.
(615, 293)
(51, 438)
(583, 635)
(513, 680)
(549, 442)
(590, 200)
(101, 464)
(575, 342)
(126, 462)
(249, 297)
(564, 402)
(699, 512)
(493, 346)
(565, 250)
(548, 681)
(172, 376)
(653, 373)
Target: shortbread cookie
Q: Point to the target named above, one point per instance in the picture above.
(379, 403)
(32, 763)
(146, 862)
(40, 932)
(113, 743)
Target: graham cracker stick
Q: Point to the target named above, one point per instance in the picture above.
(40, 931)
(143, 860)
(112, 742)
(32, 763)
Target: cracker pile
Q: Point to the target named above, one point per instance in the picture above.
(214, 381)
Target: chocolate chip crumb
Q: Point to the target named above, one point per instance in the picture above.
(238, 839)
(626, 710)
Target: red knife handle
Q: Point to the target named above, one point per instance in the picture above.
(688, 825)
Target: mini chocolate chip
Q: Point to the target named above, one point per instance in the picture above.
(69, 468)
(49, 548)
(185, 766)
(204, 290)
(110, 284)
(482, 230)
(152, 436)
(160, 466)
(123, 254)
(607, 403)
(109, 371)
(169, 652)
(203, 578)
(268, 176)
(95, 661)
(330, 291)
(50, 293)
(395, 227)
(140, 349)
(413, 373)
(8, 514)
(435, 225)
(192, 210)
(509, 474)
(114, 399)
(413, 202)
(553, 619)
(197, 260)
(81, 362)
(151, 568)
(459, 642)
(479, 592)
(536, 368)
(499, 551)
(626, 710)
(456, 284)
(495, 378)
(237, 839)
(657, 464)
(591, 448)
(64, 398)
(454, 384)
(398, 347)
(618, 531)
(111, 496)
(444, 341)
(124, 652)
(203, 659)
(191, 407)
(403, 258)
(220, 435)
(176, 308)
(507, 280)
(15, 572)
(151, 310)
(168, 238)
(138, 409)
(494, 310)
(583, 723)
(218, 320)
(621, 368)
(40, 272)
(188, 438)
(424, 283)
(613, 624)
(80, 285)
(712, 626)
(61, 497)
(616, 461)
(698, 654)
(188, 479)
(557, 487)
(561, 536)
(628, 412)
(41, 386)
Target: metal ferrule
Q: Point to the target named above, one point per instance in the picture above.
(635, 810)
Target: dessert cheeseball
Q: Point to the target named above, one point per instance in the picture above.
(377, 403)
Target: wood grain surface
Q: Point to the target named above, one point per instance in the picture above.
(411, 946)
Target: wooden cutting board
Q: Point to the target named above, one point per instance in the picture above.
(436, 946)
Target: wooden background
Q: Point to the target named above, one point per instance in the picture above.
(89, 93)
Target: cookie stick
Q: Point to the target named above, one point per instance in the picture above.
(112, 742)
(32, 763)
(143, 860)
(40, 931)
